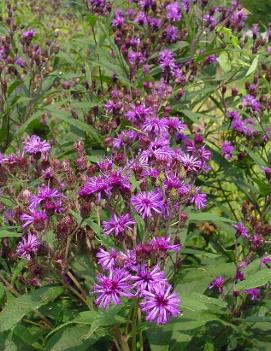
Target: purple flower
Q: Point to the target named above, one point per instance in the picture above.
(154, 125)
(111, 288)
(141, 18)
(171, 34)
(218, 284)
(266, 260)
(118, 20)
(210, 59)
(118, 224)
(145, 278)
(98, 186)
(209, 21)
(28, 246)
(190, 163)
(45, 194)
(174, 13)
(138, 113)
(19, 61)
(174, 124)
(28, 35)
(148, 203)
(154, 23)
(185, 4)
(146, 4)
(252, 102)
(241, 230)
(33, 145)
(163, 244)
(105, 165)
(136, 58)
(118, 181)
(37, 218)
(254, 294)
(107, 259)
(199, 199)
(227, 149)
(160, 304)
(166, 60)
(267, 171)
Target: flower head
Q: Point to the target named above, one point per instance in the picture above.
(174, 13)
(227, 149)
(107, 259)
(160, 304)
(254, 294)
(145, 278)
(28, 246)
(218, 284)
(241, 230)
(112, 287)
(163, 244)
(33, 145)
(148, 203)
(118, 224)
(37, 218)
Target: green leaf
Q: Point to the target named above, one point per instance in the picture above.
(224, 62)
(18, 307)
(253, 66)
(65, 116)
(255, 280)
(205, 217)
(20, 266)
(7, 234)
(72, 338)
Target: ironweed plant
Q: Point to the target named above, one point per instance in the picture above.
(135, 176)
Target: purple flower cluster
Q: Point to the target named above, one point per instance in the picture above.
(125, 276)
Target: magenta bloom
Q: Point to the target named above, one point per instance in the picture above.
(227, 149)
(199, 200)
(148, 203)
(28, 35)
(241, 230)
(107, 259)
(28, 246)
(254, 294)
(266, 260)
(160, 304)
(45, 194)
(33, 145)
(154, 125)
(171, 34)
(37, 218)
(118, 224)
(218, 284)
(190, 163)
(175, 125)
(146, 278)
(252, 102)
(210, 59)
(174, 13)
(111, 288)
(166, 60)
(116, 180)
(138, 113)
(163, 244)
(98, 186)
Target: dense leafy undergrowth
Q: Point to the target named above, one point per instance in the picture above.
(135, 173)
